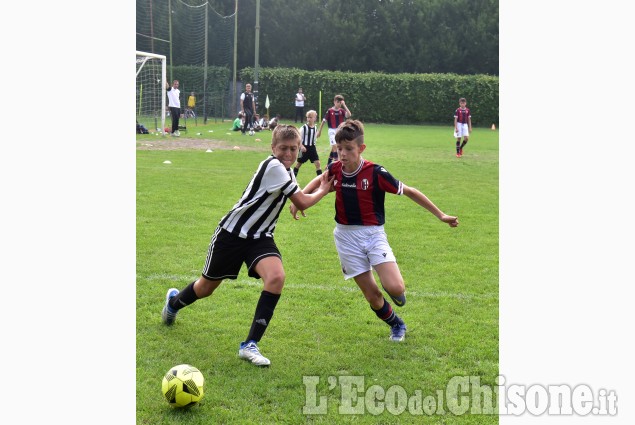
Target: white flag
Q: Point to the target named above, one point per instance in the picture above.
(267, 102)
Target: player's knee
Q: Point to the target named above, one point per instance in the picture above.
(275, 281)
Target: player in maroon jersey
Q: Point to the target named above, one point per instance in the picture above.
(334, 116)
(462, 126)
(362, 245)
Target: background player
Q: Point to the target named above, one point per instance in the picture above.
(334, 116)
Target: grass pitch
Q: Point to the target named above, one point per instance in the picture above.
(322, 327)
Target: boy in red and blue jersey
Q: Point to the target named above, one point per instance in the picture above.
(334, 116)
(362, 245)
(462, 126)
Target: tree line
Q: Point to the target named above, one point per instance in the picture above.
(389, 36)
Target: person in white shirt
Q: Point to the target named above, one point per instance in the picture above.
(174, 103)
(300, 98)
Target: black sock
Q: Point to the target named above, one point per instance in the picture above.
(458, 146)
(262, 317)
(295, 171)
(463, 144)
(318, 172)
(387, 315)
(184, 298)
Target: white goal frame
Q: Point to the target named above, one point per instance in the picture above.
(140, 65)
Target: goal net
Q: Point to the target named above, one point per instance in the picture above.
(151, 78)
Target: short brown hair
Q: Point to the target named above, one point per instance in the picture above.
(338, 97)
(350, 130)
(285, 132)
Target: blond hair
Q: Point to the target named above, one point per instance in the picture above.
(284, 132)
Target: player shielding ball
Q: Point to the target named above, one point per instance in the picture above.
(362, 245)
(245, 235)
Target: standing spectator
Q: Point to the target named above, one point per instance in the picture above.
(174, 103)
(462, 126)
(334, 116)
(299, 105)
(247, 107)
(191, 104)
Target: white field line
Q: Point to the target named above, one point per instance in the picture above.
(344, 287)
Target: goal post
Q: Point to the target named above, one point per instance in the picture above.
(151, 78)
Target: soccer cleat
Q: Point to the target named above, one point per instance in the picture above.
(400, 301)
(458, 155)
(169, 314)
(461, 151)
(249, 351)
(398, 332)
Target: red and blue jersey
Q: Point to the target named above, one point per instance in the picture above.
(359, 196)
(334, 117)
(462, 115)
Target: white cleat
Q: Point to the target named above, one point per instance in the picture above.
(249, 351)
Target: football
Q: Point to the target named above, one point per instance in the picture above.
(182, 386)
(251, 132)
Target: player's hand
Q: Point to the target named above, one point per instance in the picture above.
(302, 148)
(294, 212)
(451, 220)
(326, 181)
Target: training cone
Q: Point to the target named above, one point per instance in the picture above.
(493, 127)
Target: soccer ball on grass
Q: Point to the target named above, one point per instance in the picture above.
(251, 132)
(182, 385)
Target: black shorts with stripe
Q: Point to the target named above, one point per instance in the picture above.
(310, 154)
(227, 253)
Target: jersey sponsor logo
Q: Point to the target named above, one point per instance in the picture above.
(351, 185)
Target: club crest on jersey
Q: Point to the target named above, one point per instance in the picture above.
(364, 184)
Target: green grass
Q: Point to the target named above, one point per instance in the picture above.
(322, 325)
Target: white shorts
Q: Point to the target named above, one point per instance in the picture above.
(361, 247)
(332, 132)
(463, 130)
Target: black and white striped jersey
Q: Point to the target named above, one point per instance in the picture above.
(308, 135)
(256, 213)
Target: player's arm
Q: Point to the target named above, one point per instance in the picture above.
(456, 129)
(347, 112)
(304, 199)
(469, 122)
(318, 184)
(319, 132)
(426, 203)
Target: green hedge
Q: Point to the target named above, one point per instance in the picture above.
(377, 97)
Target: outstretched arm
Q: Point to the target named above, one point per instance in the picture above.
(317, 183)
(305, 199)
(426, 203)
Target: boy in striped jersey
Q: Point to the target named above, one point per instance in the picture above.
(245, 234)
(308, 151)
(362, 245)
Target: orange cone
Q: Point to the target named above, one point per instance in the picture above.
(493, 127)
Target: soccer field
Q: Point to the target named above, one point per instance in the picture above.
(332, 361)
